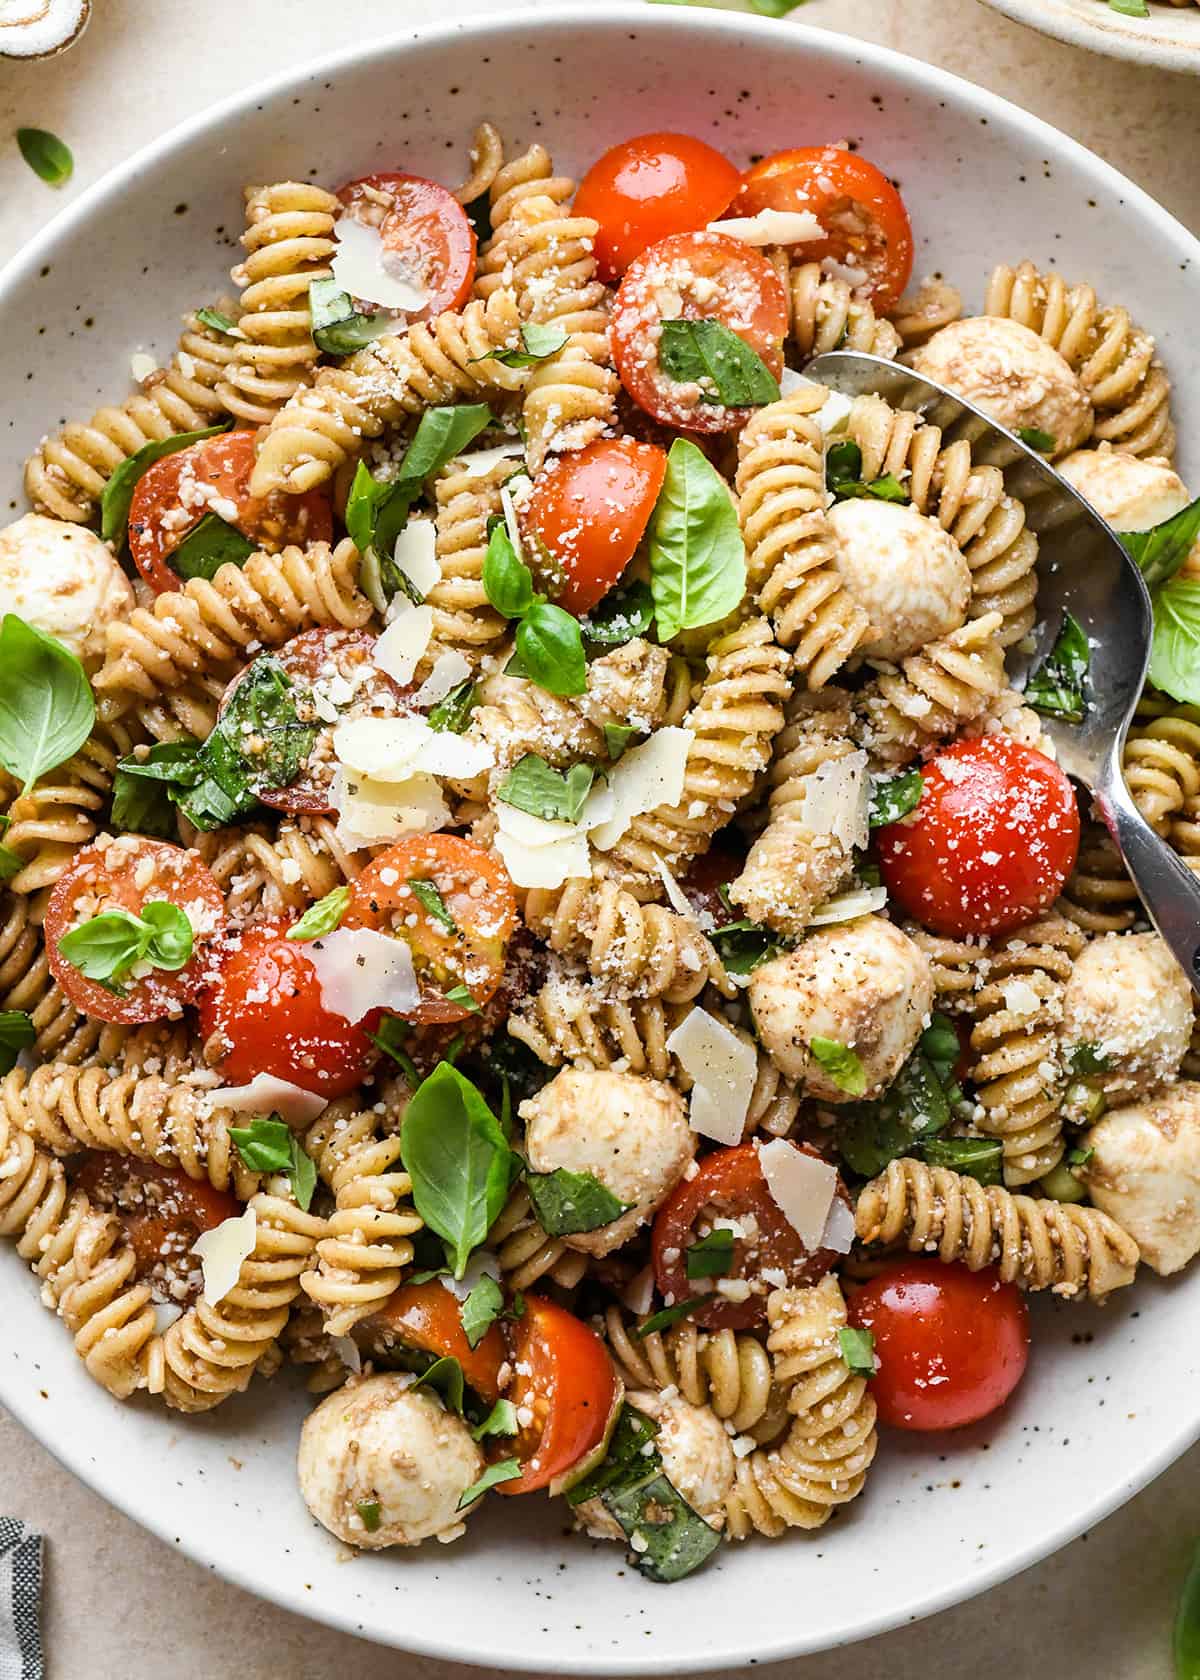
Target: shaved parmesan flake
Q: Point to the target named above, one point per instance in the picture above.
(385, 749)
(853, 277)
(449, 669)
(831, 416)
(771, 227)
(400, 649)
(529, 830)
(545, 866)
(371, 813)
(346, 1349)
(415, 553)
(267, 1095)
(221, 1252)
(481, 1264)
(638, 1293)
(839, 1228)
(837, 800)
(141, 366)
(360, 969)
(723, 1068)
(165, 1314)
(510, 519)
(475, 466)
(801, 1186)
(364, 268)
(647, 776)
(848, 906)
(676, 896)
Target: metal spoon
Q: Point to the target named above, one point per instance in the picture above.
(1082, 567)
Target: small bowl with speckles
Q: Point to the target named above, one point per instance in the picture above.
(1167, 38)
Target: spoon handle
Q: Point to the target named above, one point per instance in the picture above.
(1167, 887)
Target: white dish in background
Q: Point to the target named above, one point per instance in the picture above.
(1110, 1397)
(1169, 39)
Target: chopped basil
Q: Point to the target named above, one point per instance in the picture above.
(507, 580)
(323, 916)
(389, 1038)
(841, 1063)
(480, 1310)
(629, 1447)
(697, 556)
(118, 492)
(442, 434)
(458, 1159)
(940, 1046)
(453, 714)
(106, 947)
(743, 944)
(893, 797)
(505, 1471)
(445, 1377)
(501, 1420)
(857, 1348)
(1161, 551)
(531, 785)
(217, 322)
(338, 328)
(625, 612)
(142, 804)
(433, 904)
(48, 156)
(843, 476)
(566, 1202)
(47, 709)
(1079, 1158)
(16, 1034)
(1056, 687)
(1175, 648)
(666, 1316)
(617, 737)
(208, 546)
(1035, 438)
(11, 863)
(711, 355)
(978, 1158)
(1130, 8)
(538, 341)
(463, 998)
(371, 1513)
(711, 1256)
(270, 1146)
(913, 1108)
(1087, 1057)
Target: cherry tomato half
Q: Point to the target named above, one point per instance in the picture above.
(213, 476)
(263, 1002)
(127, 874)
(730, 1184)
(427, 1316)
(706, 875)
(162, 1210)
(950, 1345)
(458, 931)
(867, 226)
(991, 843)
(694, 277)
(564, 1376)
(587, 512)
(649, 187)
(426, 234)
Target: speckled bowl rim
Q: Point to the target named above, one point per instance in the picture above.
(1137, 40)
(901, 72)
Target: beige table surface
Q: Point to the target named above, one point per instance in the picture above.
(119, 1604)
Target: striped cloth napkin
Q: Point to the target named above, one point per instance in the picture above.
(20, 1601)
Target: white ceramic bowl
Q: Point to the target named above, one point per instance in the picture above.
(1110, 1397)
(1169, 39)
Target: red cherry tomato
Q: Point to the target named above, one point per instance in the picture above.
(991, 843)
(477, 897)
(867, 226)
(427, 1316)
(730, 1184)
(174, 494)
(705, 877)
(162, 1209)
(714, 278)
(562, 1373)
(334, 662)
(263, 1004)
(647, 188)
(427, 236)
(587, 513)
(950, 1345)
(127, 874)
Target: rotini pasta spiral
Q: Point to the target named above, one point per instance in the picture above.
(1162, 759)
(640, 950)
(1099, 897)
(64, 810)
(728, 1371)
(568, 1020)
(824, 313)
(926, 310)
(463, 618)
(960, 967)
(525, 1253)
(935, 693)
(486, 158)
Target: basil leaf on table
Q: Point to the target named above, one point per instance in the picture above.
(208, 546)
(532, 786)
(322, 917)
(458, 1159)
(47, 709)
(566, 1202)
(480, 1310)
(1161, 551)
(1175, 647)
(16, 1034)
(625, 612)
(48, 156)
(118, 492)
(1056, 688)
(550, 650)
(338, 328)
(697, 557)
(711, 355)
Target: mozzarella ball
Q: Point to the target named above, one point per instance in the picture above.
(632, 1134)
(863, 984)
(1145, 1172)
(1010, 373)
(697, 1460)
(62, 579)
(904, 571)
(1134, 493)
(378, 1440)
(1128, 996)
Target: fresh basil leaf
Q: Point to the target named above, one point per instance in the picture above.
(841, 1063)
(531, 785)
(1033, 437)
(118, 492)
(302, 1170)
(566, 1202)
(367, 496)
(262, 708)
(537, 342)
(173, 762)
(208, 546)
(843, 476)
(617, 737)
(441, 434)
(912, 1109)
(265, 1145)
(11, 863)
(389, 1038)
(171, 938)
(480, 1310)
(501, 1420)
(507, 580)
(630, 1447)
(857, 1348)
(1175, 648)
(742, 945)
(16, 1034)
(461, 996)
(941, 1049)
(667, 1539)
(433, 904)
(1056, 687)
(371, 1513)
(1079, 1157)
(445, 1377)
(711, 355)
(218, 322)
(506, 1470)
(47, 709)
(666, 1316)
(323, 916)
(48, 156)
(978, 1158)
(458, 1159)
(893, 797)
(711, 1256)
(453, 714)
(550, 649)
(625, 612)
(106, 946)
(697, 557)
(1087, 1058)
(338, 328)
(1161, 551)
(142, 805)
